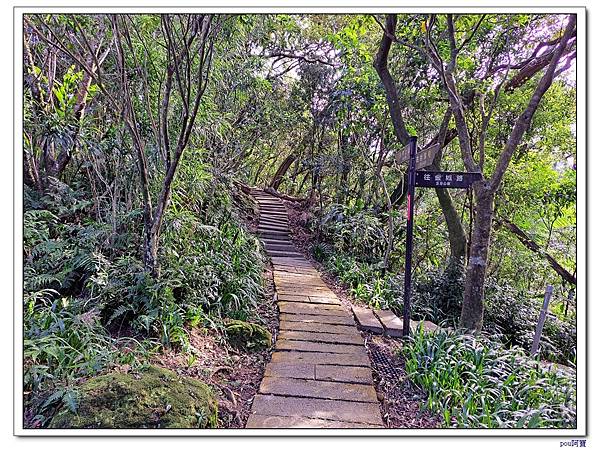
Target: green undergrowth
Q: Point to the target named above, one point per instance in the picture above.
(151, 398)
(473, 382)
(89, 304)
(349, 252)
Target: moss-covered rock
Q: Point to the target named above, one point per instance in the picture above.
(247, 335)
(152, 398)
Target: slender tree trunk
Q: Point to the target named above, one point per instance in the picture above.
(281, 171)
(456, 233)
(534, 247)
(471, 316)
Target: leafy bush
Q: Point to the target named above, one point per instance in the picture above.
(83, 283)
(365, 280)
(514, 316)
(355, 232)
(509, 315)
(64, 341)
(438, 294)
(474, 382)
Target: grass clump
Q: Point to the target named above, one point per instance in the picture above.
(152, 398)
(473, 382)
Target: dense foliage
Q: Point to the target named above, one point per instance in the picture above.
(142, 132)
(473, 382)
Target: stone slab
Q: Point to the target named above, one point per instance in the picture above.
(281, 247)
(273, 224)
(320, 308)
(279, 253)
(268, 201)
(308, 291)
(307, 346)
(309, 308)
(273, 216)
(275, 221)
(296, 270)
(392, 324)
(273, 211)
(428, 326)
(335, 359)
(293, 298)
(274, 405)
(367, 320)
(285, 241)
(296, 387)
(307, 299)
(315, 285)
(316, 290)
(264, 217)
(361, 375)
(317, 327)
(273, 229)
(302, 280)
(324, 299)
(351, 339)
(334, 320)
(272, 203)
(291, 370)
(278, 234)
(293, 262)
(320, 295)
(261, 421)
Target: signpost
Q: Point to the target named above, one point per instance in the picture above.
(428, 179)
(424, 157)
(410, 208)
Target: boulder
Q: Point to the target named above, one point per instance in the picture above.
(151, 398)
(247, 335)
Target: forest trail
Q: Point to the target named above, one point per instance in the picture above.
(319, 375)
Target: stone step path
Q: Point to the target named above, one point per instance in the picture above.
(319, 375)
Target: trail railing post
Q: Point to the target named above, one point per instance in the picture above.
(540, 326)
(410, 208)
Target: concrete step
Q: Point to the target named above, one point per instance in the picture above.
(367, 320)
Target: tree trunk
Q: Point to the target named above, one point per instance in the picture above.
(281, 171)
(471, 316)
(151, 251)
(391, 94)
(473, 298)
(534, 247)
(456, 233)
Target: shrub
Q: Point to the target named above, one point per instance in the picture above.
(474, 382)
(438, 294)
(513, 317)
(357, 233)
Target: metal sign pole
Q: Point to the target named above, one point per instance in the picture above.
(410, 208)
